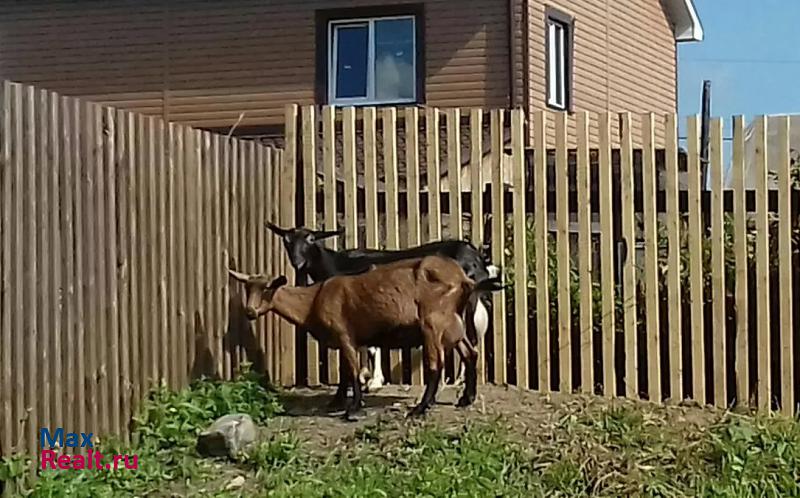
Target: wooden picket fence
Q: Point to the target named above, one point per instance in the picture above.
(680, 292)
(117, 230)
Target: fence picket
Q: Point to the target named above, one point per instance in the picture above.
(260, 207)
(432, 157)
(454, 223)
(673, 223)
(520, 248)
(607, 287)
(784, 181)
(329, 190)
(476, 228)
(18, 217)
(123, 260)
(212, 266)
(629, 308)
(740, 263)
(173, 299)
(762, 266)
(44, 289)
(309, 137)
(278, 258)
(498, 241)
(413, 214)
(288, 182)
(180, 250)
(91, 304)
(229, 291)
(696, 234)
(218, 261)
(132, 238)
(152, 263)
(6, 181)
(540, 187)
(583, 183)
(34, 328)
(112, 280)
(349, 170)
(651, 289)
(717, 264)
(564, 299)
(389, 118)
(164, 330)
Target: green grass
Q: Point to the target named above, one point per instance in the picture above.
(164, 435)
(593, 449)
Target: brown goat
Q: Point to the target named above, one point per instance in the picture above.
(409, 303)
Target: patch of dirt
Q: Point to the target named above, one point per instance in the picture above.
(524, 412)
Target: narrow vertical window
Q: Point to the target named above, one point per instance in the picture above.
(559, 61)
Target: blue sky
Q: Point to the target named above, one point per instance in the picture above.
(751, 54)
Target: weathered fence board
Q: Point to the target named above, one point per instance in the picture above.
(785, 267)
(564, 282)
(110, 255)
(762, 268)
(583, 186)
(606, 258)
(695, 238)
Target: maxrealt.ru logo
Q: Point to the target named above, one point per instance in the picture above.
(59, 438)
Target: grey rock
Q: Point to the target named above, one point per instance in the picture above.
(228, 436)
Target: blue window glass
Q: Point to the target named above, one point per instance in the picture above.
(394, 59)
(352, 52)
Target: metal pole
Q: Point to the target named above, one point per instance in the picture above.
(705, 117)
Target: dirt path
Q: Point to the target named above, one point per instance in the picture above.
(524, 412)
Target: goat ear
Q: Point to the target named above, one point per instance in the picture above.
(276, 229)
(241, 277)
(278, 282)
(325, 234)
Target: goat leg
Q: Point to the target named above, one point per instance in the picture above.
(339, 401)
(469, 358)
(354, 408)
(434, 363)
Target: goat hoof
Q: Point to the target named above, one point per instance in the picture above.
(465, 401)
(417, 411)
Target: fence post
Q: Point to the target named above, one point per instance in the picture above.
(585, 253)
(498, 243)
(288, 185)
(542, 255)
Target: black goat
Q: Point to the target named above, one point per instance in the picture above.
(312, 260)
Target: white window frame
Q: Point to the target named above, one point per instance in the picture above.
(557, 77)
(370, 99)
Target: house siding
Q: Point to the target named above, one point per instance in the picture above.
(624, 60)
(206, 62)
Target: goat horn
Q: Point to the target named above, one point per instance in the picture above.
(241, 277)
(275, 228)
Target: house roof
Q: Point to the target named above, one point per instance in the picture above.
(686, 23)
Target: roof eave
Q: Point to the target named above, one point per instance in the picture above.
(687, 25)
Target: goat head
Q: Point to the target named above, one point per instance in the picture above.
(298, 241)
(259, 291)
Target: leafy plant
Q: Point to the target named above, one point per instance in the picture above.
(163, 439)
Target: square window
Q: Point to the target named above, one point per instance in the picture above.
(372, 61)
(559, 61)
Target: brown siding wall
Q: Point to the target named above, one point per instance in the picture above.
(205, 62)
(624, 57)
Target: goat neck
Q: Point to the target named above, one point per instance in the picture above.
(294, 304)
